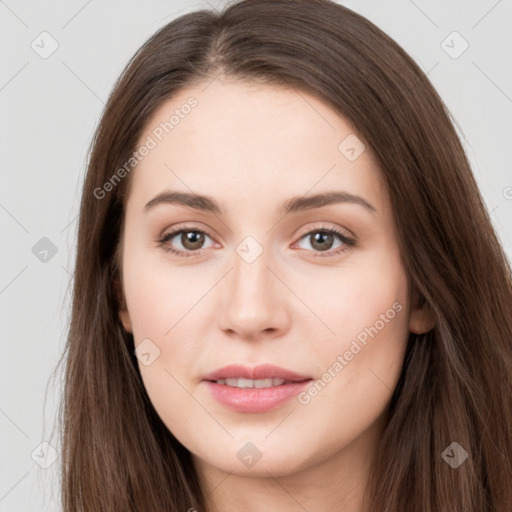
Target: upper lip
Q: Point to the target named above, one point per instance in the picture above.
(264, 371)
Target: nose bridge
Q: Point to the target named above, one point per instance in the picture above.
(249, 280)
(251, 305)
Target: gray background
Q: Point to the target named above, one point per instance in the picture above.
(49, 109)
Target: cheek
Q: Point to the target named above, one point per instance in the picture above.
(163, 303)
(359, 362)
(159, 296)
(351, 298)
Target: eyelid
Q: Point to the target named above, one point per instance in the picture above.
(323, 226)
(185, 227)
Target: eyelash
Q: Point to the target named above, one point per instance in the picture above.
(347, 241)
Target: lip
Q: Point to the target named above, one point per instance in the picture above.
(255, 400)
(264, 371)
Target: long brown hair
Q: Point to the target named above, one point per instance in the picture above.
(456, 383)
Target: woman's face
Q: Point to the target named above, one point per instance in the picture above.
(260, 279)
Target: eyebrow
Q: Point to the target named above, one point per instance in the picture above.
(293, 205)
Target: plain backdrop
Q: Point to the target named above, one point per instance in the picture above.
(50, 105)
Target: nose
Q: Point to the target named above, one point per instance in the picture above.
(254, 300)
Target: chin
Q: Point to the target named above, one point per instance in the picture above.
(246, 459)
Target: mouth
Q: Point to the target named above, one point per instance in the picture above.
(251, 383)
(255, 390)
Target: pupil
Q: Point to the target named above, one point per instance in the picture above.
(319, 237)
(192, 240)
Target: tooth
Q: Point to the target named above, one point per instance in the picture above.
(232, 382)
(245, 383)
(263, 383)
(250, 383)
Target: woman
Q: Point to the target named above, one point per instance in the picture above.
(288, 294)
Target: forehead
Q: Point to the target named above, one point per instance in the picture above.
(229, 138)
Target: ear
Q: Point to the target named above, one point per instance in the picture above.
(421, 317)
(124, 316)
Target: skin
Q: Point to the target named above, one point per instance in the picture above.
(251, 147)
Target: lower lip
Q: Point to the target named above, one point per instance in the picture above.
(255, 399)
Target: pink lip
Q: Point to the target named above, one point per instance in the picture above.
(255, 399)
(264, 371)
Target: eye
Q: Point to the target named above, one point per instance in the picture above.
(190, 238)
(322, 239)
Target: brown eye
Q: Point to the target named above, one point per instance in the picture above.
(321, 241)
(184, 240)
(192, 240)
